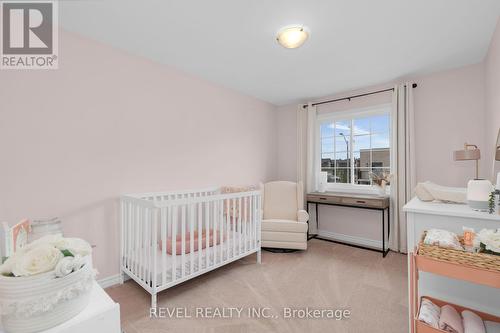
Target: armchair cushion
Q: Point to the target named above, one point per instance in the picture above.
(283, 226)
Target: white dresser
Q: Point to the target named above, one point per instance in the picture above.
(422, 216)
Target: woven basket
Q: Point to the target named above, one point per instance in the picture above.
(39, 302)
(476, 260)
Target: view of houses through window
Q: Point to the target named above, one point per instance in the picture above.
(354, 148)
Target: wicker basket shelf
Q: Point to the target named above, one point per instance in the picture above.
(477, 268)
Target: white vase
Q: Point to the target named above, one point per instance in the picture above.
(39, 302)
(478, 192)
(381, 189)
(43, 227)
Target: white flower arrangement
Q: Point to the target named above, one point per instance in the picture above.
(49, 253)
(489, 241)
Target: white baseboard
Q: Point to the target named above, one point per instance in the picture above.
(351, 239)
(111, 281)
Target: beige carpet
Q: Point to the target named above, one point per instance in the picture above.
(326, 276)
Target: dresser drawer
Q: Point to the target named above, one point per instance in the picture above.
(324, 199)
(376, 203)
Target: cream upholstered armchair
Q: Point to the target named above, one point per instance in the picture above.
(284, 222)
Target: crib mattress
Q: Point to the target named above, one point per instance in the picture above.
(191, 261)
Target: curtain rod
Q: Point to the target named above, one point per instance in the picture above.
(414, 85)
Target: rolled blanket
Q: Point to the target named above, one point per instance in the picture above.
(472, 322)
(450, 320)
(68, 265)
(214, 238)
(429, 191)
(429, 313)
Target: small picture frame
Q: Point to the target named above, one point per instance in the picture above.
(14, 238)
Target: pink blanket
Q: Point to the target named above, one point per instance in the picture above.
(472, 322)
(450, 320)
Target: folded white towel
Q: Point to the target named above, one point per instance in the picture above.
(429, 313)
(442, 238)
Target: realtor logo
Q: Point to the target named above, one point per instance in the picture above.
(29, 35)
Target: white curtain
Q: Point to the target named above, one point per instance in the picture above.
(306, 146)
(403, 163)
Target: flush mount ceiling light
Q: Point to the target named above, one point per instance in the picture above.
(292, 37)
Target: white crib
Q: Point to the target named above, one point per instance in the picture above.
(168, 238)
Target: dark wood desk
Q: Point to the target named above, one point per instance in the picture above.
(372, 202)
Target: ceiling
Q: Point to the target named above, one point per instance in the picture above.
(353, 43)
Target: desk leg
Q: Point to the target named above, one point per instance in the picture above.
(309, 237)
(317, 218)
(383, 233)
(384, 251)
(388, 223)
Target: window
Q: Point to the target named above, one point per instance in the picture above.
(354, 145)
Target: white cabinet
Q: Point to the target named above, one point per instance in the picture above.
(422, 216)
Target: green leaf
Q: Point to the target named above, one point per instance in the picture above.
(67, 253)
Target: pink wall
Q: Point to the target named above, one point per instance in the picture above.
(449, 111)
(492, 79)
(107, 123)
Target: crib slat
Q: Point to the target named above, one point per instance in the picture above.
(154, 245)
(163, 217)
(148, 244)
(258, 225)
(127, 228)
(200, 227)
(183, 240)
(138, 240)
(141, 261)
(207, 227)
(239, 226)
(123, 225)
(174, 243)
(245, 223)
(233, 219)
(227, 228)
(191, 239)
(215, 227)
(135, 239)
(131, 222)
(252, 210)
(255, 219)
(221, 230)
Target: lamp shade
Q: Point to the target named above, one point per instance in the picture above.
(467, 154)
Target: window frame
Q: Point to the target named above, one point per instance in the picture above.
(380, 109)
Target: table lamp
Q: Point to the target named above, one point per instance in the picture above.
(469, 153)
